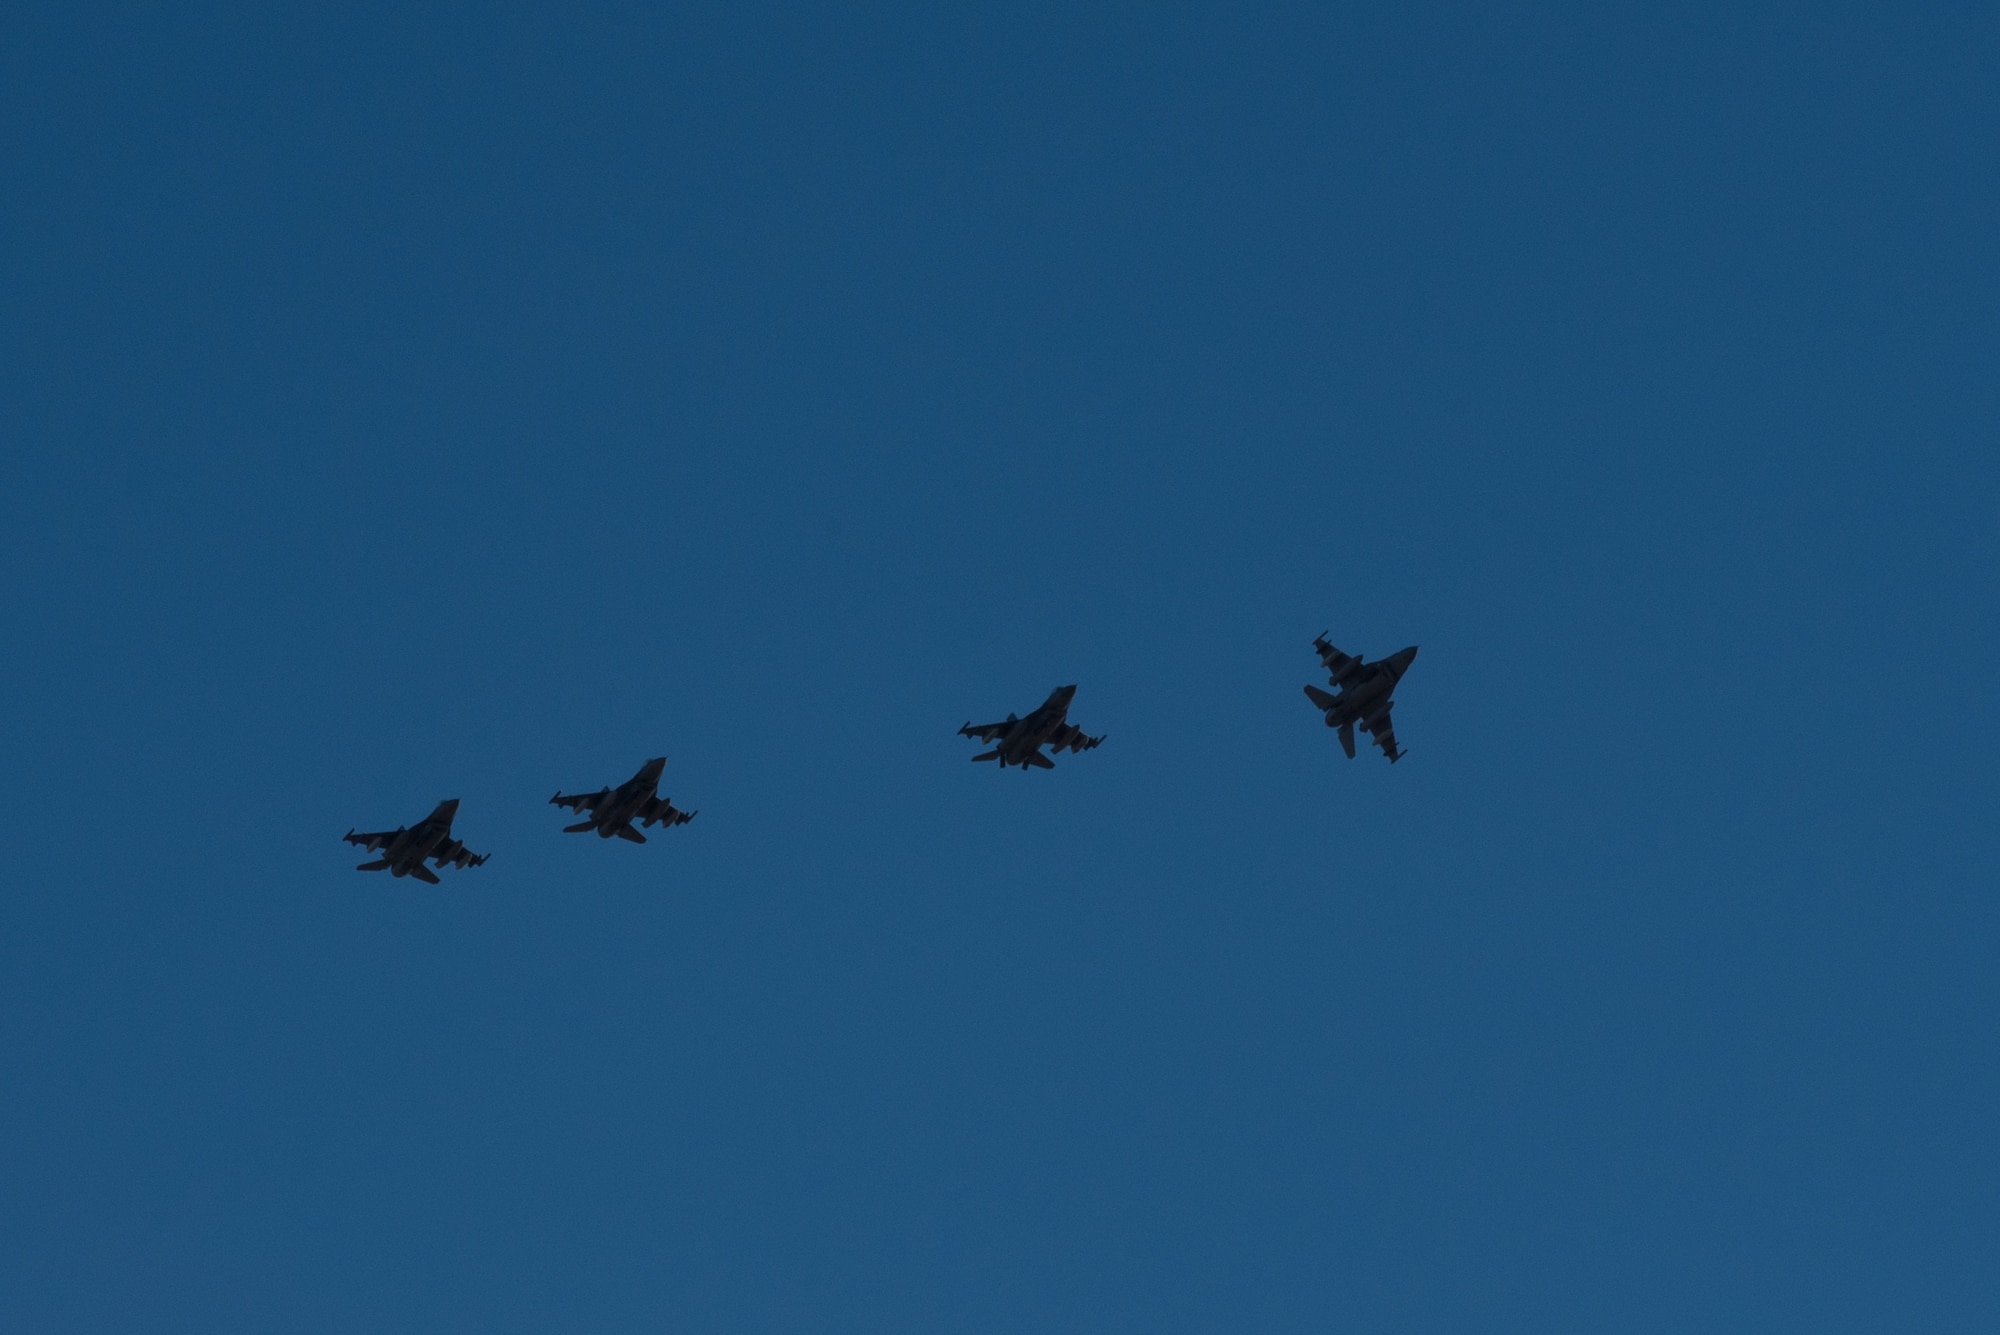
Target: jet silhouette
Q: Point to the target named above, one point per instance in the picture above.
(612, 810)
(405, 850)
(1021, 739)
(1363, 699)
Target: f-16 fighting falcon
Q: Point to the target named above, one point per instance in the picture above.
(1021, 739)
(612, 810)
(1364, 690)
(404, 850)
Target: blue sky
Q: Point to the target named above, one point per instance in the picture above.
(477, 402)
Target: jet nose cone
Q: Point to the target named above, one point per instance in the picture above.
(448, 807)
(1404, 659)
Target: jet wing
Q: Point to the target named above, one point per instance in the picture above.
(1384, 732)
(988, 732)
(1071, 737)
(371, 842)
(660, 811)
(580, 801)
(451, 853)
(1339, 666)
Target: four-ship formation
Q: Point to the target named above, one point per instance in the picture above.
(1360, 698)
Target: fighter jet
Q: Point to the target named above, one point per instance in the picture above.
(612, 810)
(1364, 690)
(1021, 739)
(404, 850)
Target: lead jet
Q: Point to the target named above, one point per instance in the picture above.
(1021, 739)
(404, 851)
(1363, 696)
(612, 810)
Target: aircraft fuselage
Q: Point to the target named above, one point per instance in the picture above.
(1030, 734)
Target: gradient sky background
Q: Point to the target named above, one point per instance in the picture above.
(411, 402)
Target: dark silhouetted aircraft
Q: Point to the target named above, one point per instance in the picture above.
(612, 810)
(1021, 739)
(1363, 696)
(405, 850)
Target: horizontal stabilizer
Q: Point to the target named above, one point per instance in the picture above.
(1347, 739)
(629, 835)
(379, 865)
(580, 827)
(1320, 698)
(423, 873)
(990, 755)
(1040, 761)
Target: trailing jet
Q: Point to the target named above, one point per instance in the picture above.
(404, 850)
(1021, 739)
(1364, 690)
(612, 810)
